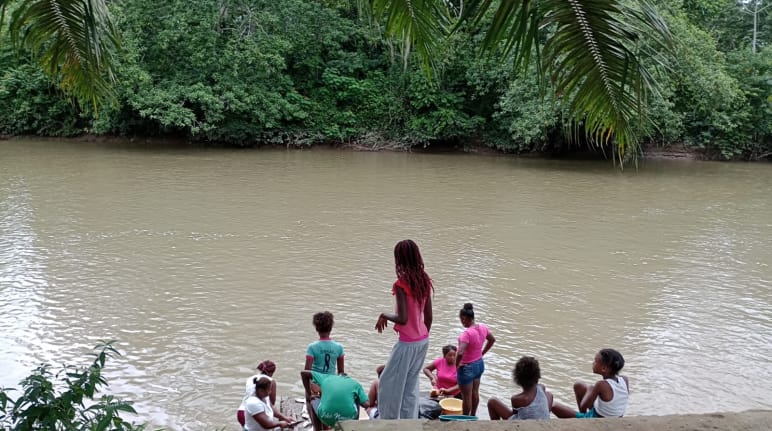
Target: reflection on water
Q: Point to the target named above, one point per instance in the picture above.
(22, 277)
(205, 262)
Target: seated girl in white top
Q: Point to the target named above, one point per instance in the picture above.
(606, 398)
(266, 368)
(259, 413)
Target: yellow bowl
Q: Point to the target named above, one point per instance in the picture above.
(451, 406)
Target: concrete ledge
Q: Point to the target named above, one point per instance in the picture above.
(751, 420)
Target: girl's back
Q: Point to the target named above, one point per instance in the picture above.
(617, 406)
(475, 337)
(539, 408)
(415, 328)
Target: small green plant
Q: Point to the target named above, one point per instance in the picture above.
(66, 401)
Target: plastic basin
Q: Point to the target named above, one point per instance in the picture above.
(451, 406)
(459, 418)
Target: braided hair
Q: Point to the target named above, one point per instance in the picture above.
(410, 269)
(612, 359)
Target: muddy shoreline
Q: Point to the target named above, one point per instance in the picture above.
(650, 152)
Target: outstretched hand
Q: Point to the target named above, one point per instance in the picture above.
(381, 324)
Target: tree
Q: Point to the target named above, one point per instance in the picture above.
(73, 40)
(753, 8)
(591, 52)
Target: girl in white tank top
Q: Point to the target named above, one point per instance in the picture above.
(617, 406)
(607, 397)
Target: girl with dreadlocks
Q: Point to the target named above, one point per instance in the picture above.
(398, 390)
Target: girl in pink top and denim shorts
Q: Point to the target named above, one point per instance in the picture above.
(469, 360)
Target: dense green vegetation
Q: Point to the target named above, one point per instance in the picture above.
(66, 401)
(302, 72)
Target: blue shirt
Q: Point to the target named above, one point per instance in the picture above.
(325, 354)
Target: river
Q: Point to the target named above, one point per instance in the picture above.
(203, 262)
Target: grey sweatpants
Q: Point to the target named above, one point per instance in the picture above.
(398, 388)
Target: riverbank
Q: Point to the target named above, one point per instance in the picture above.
(650, 152)
(751, 420)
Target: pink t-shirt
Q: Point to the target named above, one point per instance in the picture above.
(475, 337)
(414, 329)
(446, 375)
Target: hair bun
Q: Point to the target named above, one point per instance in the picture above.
(267, 367)
(468, 306)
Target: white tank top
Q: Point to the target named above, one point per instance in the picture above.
(618, 404)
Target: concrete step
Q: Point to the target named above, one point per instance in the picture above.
(751, 420)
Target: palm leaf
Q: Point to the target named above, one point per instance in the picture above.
(592, 65)
(419, 24)
(591, 54)
(74, 40)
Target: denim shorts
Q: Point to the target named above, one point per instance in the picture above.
(468, 373)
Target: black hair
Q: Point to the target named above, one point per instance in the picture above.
(262, 382)
(467, 311)
(323, 321)
(447, 349)
(612, 359)
(409, 266)
(526, 372)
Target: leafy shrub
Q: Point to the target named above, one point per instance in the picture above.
(30, 104)
(66, 401)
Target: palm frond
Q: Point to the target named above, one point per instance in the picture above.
(74, 40)
(514, 26)
(594, 69)
(591, 53)
(419, 24)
